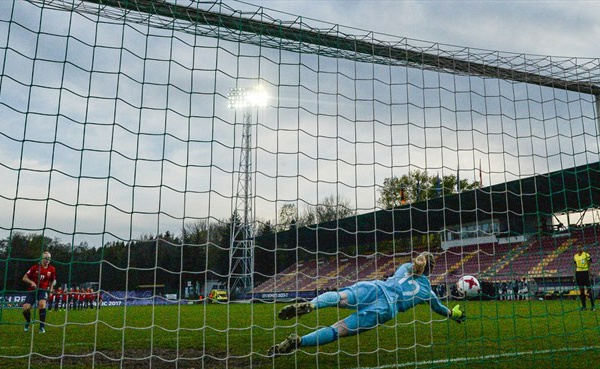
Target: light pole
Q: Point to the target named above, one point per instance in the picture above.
(242, 231)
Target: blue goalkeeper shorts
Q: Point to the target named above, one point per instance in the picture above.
(372, 307)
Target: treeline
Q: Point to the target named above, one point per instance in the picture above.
(200, 253)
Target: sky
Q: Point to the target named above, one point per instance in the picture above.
(555, 28)
(106, 133)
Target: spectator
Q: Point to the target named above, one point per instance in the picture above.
(504, 291)
(524, 289)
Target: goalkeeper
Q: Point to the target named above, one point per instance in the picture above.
(375, 302)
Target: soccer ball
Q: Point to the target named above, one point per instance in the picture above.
(468, 285)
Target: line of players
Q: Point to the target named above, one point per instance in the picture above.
(74, 299)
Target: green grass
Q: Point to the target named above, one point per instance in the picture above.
(498, 334)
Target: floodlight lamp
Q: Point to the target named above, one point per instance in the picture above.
(247, 97)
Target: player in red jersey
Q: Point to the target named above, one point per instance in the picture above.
(57, 298)
(72, 299)
(41, 279)
(89, 298)
(98, 299)
(79, 292)
(63, 298)
(50, 301)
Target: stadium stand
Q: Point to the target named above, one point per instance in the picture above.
(546, 257)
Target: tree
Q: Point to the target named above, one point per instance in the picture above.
(287, 215)
(264, 257)
(418, 186)
(114, 267)
(197, 233)
(218, 252)
(331, 208)
(205, 244)
(265, 228)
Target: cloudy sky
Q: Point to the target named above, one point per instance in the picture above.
(115, 130)
(556, 28)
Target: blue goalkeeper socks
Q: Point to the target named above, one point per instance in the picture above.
(320, 337)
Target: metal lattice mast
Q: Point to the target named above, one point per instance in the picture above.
(242, 229)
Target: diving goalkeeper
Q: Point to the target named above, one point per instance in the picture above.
(375, 302)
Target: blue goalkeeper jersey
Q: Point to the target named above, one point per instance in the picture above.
(405, 291)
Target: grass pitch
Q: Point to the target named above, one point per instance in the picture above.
(497, 334)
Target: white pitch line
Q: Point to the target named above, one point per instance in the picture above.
(427, 362)
(485, 357)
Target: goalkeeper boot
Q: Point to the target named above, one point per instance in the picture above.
(26, 328)
(289, 345)
(292, 311)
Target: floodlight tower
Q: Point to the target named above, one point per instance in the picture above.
(242, 232)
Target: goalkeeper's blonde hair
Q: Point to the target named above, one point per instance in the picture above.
(424, 263)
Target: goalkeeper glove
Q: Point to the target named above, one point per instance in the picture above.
(458, 315)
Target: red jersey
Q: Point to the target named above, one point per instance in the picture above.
(42, 277)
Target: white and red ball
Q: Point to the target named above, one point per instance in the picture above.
(468, 285)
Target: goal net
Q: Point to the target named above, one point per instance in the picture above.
(193, 167)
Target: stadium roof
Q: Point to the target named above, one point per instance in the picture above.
(568, 190)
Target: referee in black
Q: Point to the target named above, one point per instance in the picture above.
(582, 275)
